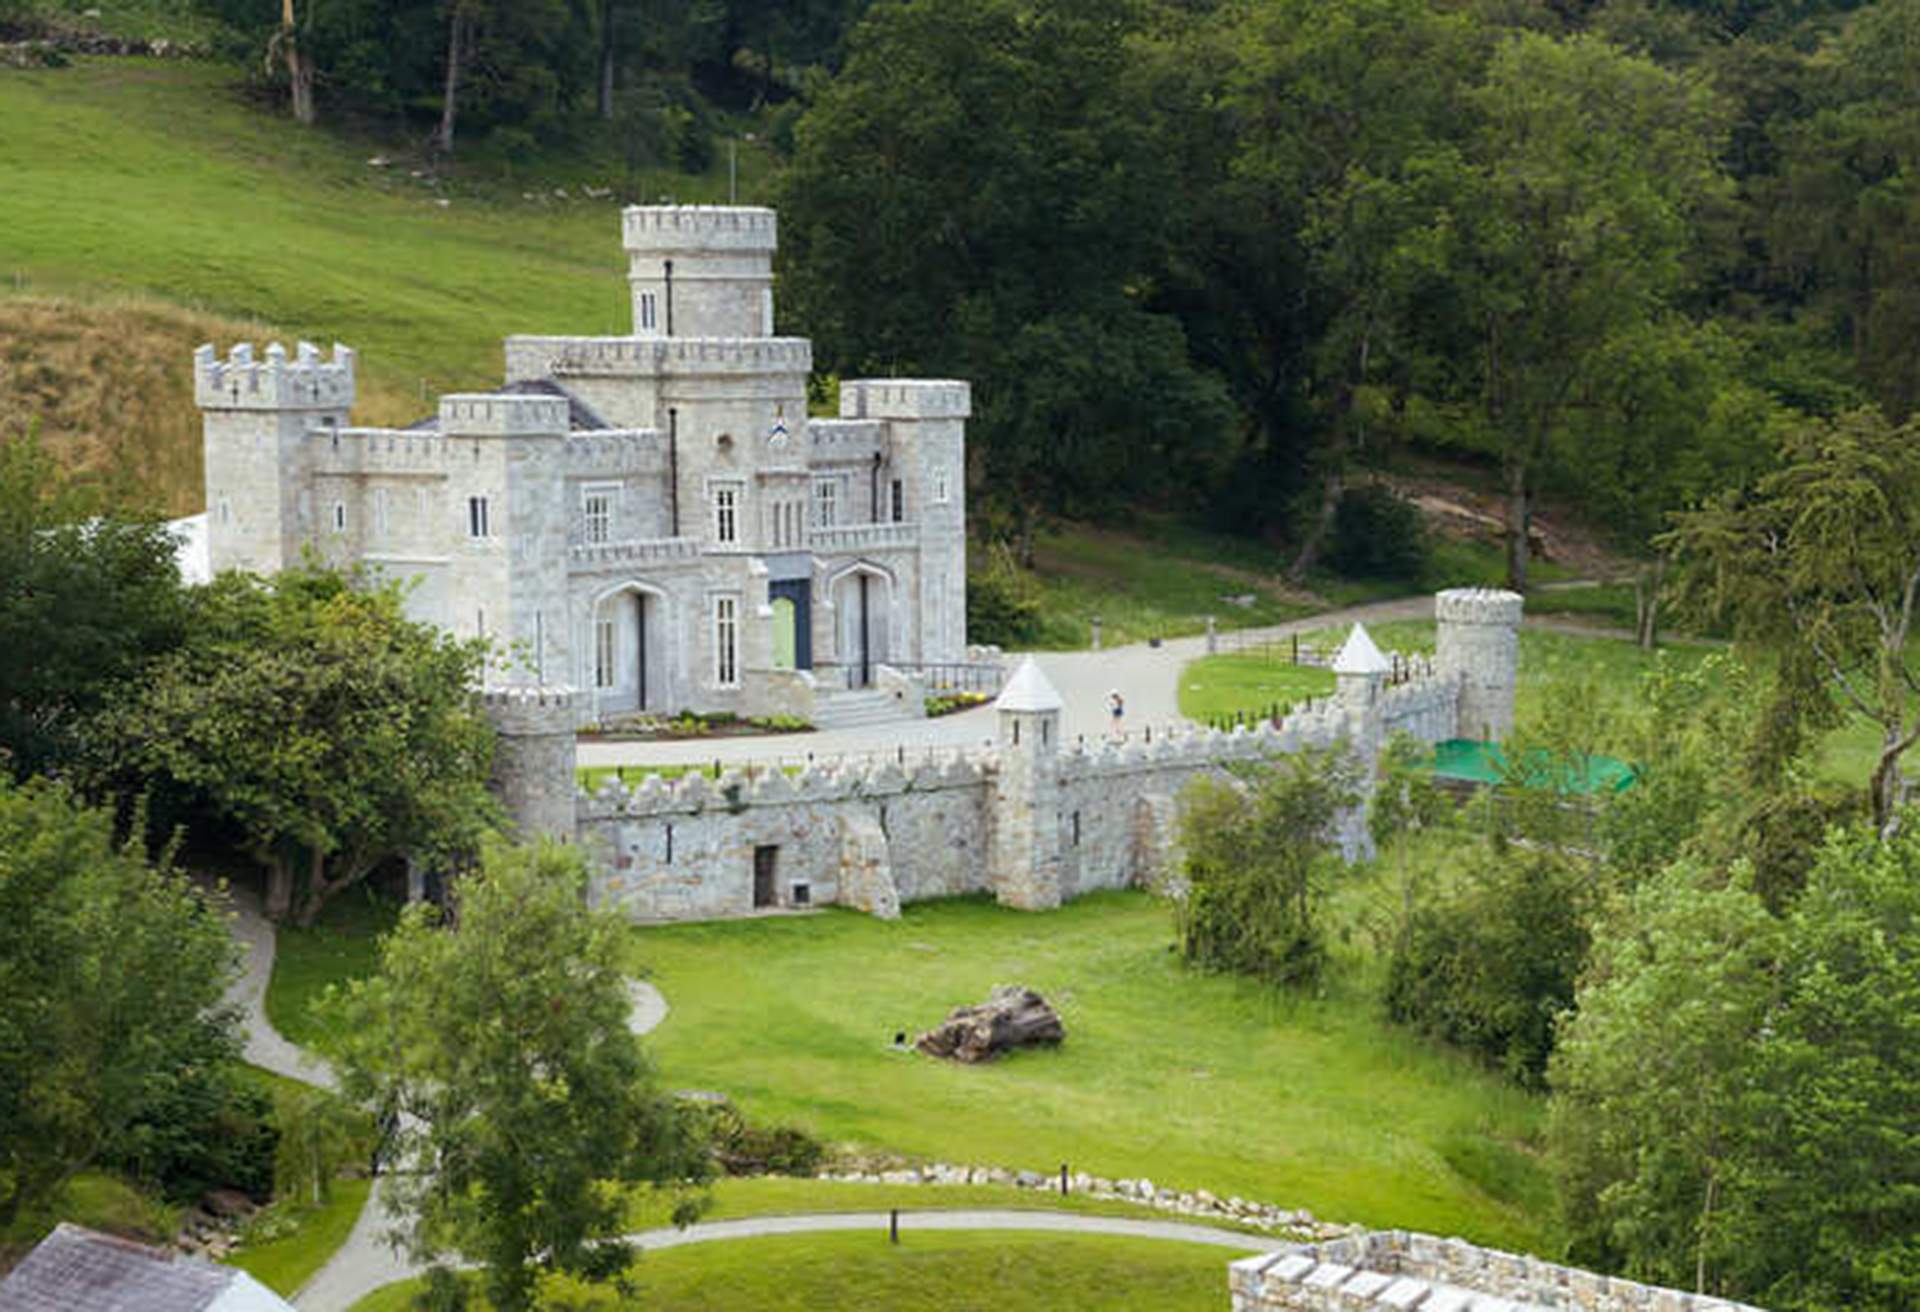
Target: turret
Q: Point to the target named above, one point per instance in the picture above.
(257, 415)
(533, 759)
(1477, 642)
(1025, 853)
(1359, 669)
(924, 479)
(700, 270)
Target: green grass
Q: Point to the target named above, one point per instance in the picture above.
(285, 1264)
(954, 1272)
(98, 1201)
(341, 946)
(1191, 1081)
(1603, 603)
(1250, 682)
(773, 1195)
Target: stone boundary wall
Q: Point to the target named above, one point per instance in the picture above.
(1401, 1270)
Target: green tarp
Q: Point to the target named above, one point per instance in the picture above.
(1485, 763)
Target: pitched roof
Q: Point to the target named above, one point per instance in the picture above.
(1359, 655)
(79, 1270)
(1028, 690)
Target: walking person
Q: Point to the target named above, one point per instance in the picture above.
(1117, 709)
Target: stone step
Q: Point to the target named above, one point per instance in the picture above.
(850, 710)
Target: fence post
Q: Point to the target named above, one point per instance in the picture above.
(1296, 649)
(893, 1226)
(1213, 637)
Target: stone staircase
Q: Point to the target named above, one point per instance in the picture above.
(856, 708)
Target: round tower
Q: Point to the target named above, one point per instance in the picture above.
(533, 761)
(700, 270)
(1477, 643)
(1024, 855)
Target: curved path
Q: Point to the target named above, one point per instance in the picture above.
(366, 1261)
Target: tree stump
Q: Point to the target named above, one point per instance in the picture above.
(1011, 1017)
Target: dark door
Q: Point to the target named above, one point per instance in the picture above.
(800, 593)
(866, 635)
(764, 861)
(640, 649)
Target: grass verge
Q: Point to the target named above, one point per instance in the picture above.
(315, 1232)
(342, 945)
(953, 1271)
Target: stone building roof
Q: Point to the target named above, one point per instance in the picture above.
(1028, 690)
(581, 417)
(1361, 655)
(79, 1270)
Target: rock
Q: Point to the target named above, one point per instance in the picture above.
(1029, 1179)
(228, 1203)
(1011, 1017)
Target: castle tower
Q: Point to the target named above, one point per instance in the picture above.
(1359, 669)
(1478, 643)
(700, 270)
(1024, 856)
(506, 576)
(924, 483)
(533, 758)
(257, 415)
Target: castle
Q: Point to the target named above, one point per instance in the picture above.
(653, 519)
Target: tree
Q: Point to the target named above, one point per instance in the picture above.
(500, 1040)
(309, 711)
(1256, 850)
(1732, 1098)
(1567, 226)
(92, 598)
(1821, 561)
(113, 975)
(984, 192)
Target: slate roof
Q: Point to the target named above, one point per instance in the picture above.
(581, 417)
(79, 1270)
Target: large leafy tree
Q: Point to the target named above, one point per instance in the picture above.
(1568, 224)
(309, 711)
(1733, 1098)
(113, 975)
(85, 601)
(1820, 559)
(524, 1101)
(985, 191)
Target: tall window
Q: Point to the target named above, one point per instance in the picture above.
(598, 506)
(603, 653)
(477, 517)
(940, 485)
(648, 312)
(339, 517)
(899, 501)
(726, 640)
(726, 512)
(826, 502)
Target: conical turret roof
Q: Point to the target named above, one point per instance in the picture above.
(1360, 655)
(1028, 690)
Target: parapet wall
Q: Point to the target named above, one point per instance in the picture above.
(601, 357)
(1399, 1270)
(306, 382)
(488, 414)
(905, 398)
(678, 229)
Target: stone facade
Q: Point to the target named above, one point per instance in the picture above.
(652, 519)
(1032, 820)
(1397, 1271)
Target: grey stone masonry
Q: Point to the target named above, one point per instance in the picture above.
(1477, 645)
(1397, 1271)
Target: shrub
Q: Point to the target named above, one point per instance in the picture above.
(1491, 963)
(742, 1148)
(1001, 606)
(1378, 534)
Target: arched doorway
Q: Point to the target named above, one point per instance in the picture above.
(626, 650)
(863, 601)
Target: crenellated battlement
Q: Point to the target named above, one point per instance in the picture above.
(530, 710)
(844, 437)
(645, 357)
(493, 414)
(905, 398)
(1478, 606)
(689, 229)
(242, 382)
(614, 450)
(736, 789)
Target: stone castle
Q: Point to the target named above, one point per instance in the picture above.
(651, 519)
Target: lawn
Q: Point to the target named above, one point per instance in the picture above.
(1191, 1081)
(342, 945)
(286, 1263)
(954, 1272)
(1253, 683)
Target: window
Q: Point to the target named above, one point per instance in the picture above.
(226, 511)
(648, 312)
(477, 517)
(603, 653)
(899, 501)
(339, 517)
(726, 640)
(940, 485)
(826, 502)
(597, 504)
(726, 512)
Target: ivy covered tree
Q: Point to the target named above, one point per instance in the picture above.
(526, 1108)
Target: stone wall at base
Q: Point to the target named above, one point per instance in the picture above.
(1401, 1271)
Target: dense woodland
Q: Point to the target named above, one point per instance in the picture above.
(1233, 261)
